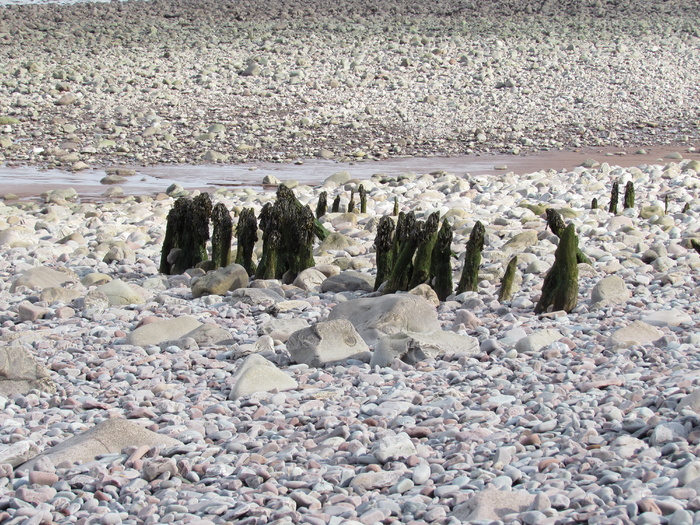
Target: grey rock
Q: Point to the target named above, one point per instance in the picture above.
(610, 290)
(110, 436)
(398, 446)
(327, 342)
(375, 317)
(348, 281)
(691, 401)
(120, 293)
(221, 281)
(637, 332)
(281, 329)
(334, 242)
(20, 372)
(159, 331)
(520, 241)
(339, 177)
(489, 505)
(538, 340)
(310, 279)
(257, 374)
(256, 297)
(412, 347)
(18, 453)
(41, 277)
(208, 334)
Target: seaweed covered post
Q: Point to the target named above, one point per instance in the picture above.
(469, 280)
(441, 265)
(363, 199)
(246, 237)
(422, 262)
(695, 244)
(666, 204)
(395, 212)
(629, 195)
(594, 204)
(404, 226)
(412, 234)
(191, 235)
(177, 217)
(288, 234)
(351, 204)
(614, 198)
(336, 204)
(383, 244)
(221, 235)
(269, 224)
(560, 287)
(556, 224)
(322, 205)
(505, 292)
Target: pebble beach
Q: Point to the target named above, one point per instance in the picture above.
(124, 393)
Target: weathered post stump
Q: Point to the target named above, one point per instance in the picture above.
(629, 195)
(246, 236)
(221, 236)
(322, 205)
(441, 265)
(469, 280)
(560, 287)
(556, 224)
(383, 244)
(505, 292)
(422, 262)
(614, 198)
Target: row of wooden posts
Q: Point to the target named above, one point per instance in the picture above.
(409, 252)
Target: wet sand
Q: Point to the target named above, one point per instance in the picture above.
(31, 182)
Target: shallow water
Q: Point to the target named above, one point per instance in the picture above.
(28, 181)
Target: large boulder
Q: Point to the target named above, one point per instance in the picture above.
(520, 241)
(281, 329)
(403, 326)
(310, 279)
(257, 374)
(159, 331)
(20, 373)
(375, 317)
(110, 436)
(327, 342)
(220, 281)
(348, 281)
(41, 277)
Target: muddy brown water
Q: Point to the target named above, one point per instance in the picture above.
(31, 182)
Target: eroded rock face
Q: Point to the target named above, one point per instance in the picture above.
(20, 373)
(327, 342)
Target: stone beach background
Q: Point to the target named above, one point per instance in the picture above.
(131, 397)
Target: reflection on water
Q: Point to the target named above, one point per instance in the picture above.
(29, 181)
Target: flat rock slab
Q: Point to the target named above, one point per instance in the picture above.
(348, 281)
(40, 277)
(107, 437)
(671, 317)
(120, 293)
(492, 505)
(156, 333)
(638, 332)
(327, 342)
(256, 297)
(412, 347)
(20, 373)
(281, 329)
(375, 317)
(538, 340)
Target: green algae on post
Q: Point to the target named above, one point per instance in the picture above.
(246, 237)
(221, 235)
(441, 262)
(383, 243)
(505, 292)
